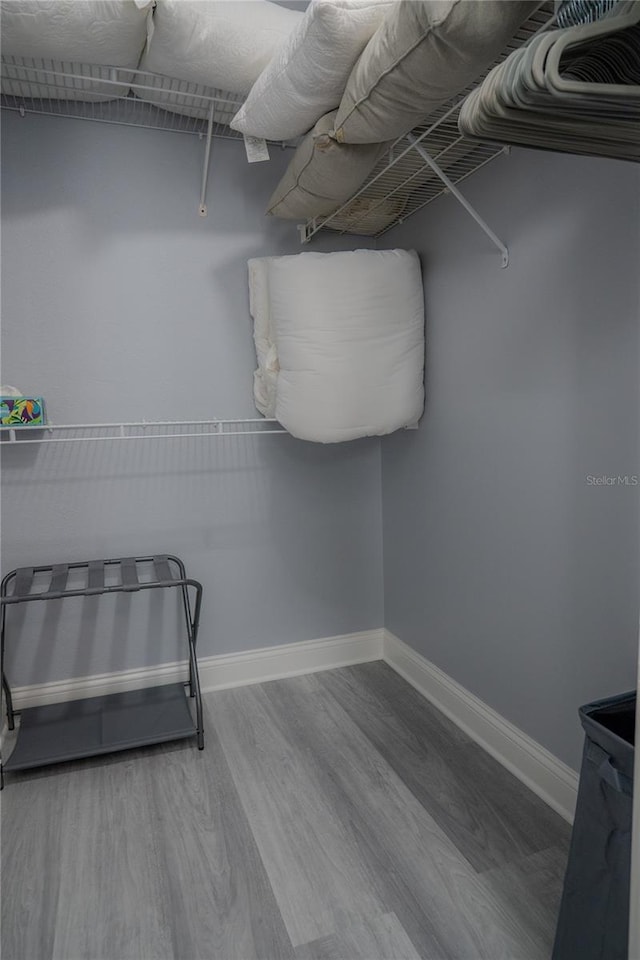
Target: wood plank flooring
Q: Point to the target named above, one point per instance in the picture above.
(335, 816)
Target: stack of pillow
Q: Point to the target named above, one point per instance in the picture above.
(385, 66)
(206, 44)
(67, 35)
(308, 74)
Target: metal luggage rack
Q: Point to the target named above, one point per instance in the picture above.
(424, 164)
(119, 721)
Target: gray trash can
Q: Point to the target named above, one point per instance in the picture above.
(594, 913)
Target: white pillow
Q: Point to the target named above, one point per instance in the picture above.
(349, 333)
(224, 44)
(322, 174)
(68, 34)
(424, 53)
(307, 76)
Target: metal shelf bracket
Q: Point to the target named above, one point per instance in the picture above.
(453, 190)
(202, 209)
(307, 230)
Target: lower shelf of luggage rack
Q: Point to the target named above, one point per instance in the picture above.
(85, 728)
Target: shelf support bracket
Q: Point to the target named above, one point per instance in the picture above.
(202, 209)
(451, 187)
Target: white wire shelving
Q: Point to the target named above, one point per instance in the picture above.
(402, 182)
(424, 164)
(115, 95)
(139, 430)
(119, 95)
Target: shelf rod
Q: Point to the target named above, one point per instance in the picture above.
(128, 78)
(157, 436)
(117, 431)
(141, 424)
(202, 210)
(451, 187)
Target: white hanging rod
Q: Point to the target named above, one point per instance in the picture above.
(118, 430)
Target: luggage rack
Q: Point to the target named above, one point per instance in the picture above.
(120, 721)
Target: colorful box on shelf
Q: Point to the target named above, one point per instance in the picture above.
(21, 411)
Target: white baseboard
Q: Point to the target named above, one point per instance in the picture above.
(217, 672)
(543, 773)
(551, 779)
(290, 659)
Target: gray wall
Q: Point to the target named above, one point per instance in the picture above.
(502, 564)
(119, 302)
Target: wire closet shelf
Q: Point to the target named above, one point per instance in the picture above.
(118, 95)
(110, 94)
(139, 430)
(404, 181)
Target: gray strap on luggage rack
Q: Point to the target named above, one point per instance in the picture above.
(24, 581)
(95, 577)
(129, 574)
(163, 569)
(59, 576)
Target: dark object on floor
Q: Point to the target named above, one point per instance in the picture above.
(594, 915)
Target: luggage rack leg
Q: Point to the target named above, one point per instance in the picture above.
(5, 683)
(193, 669)
(6, 689)
(194, 679)
(451, 187)
(192, 622)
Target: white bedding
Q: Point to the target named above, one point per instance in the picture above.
(423, 53)
(219, 44)
(265, 379)
(66, 34)
(307, 76)
(340, 342)
(322, 174)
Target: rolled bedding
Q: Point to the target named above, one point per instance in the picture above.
(340, 342)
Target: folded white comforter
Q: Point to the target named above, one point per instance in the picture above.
(340, 342)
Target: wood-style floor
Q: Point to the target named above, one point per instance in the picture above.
(335, 816)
